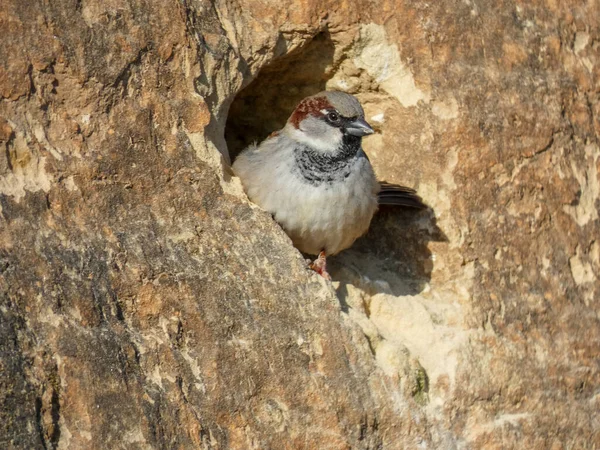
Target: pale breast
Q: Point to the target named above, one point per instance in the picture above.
(323, 213)
(328, 216)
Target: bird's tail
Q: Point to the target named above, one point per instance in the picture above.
(396, 195)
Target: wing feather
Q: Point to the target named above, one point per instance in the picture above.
(396, 195)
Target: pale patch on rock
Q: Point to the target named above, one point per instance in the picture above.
(382, 61)
(581, 270)
(581, 41)
(390, 357)
(86, 435)
(348, 79)
(594, 254)
(445, 110)
(585, 211)
(184, 236)
(195, 368)
(208, 152)
(437, 194)
(156, 378)
(75, 313)
(135, 437)
(49, 317)
(69, 183)
(40, 135)
(275, 413)
(90, 14)
(513, 420)
(448, 174)
(65, 435)
(342, 85)
(379, 118)
(28, 171)
(428, 325)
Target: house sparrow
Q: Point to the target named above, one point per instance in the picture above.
(315, 179)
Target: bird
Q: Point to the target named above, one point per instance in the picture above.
(315, 179)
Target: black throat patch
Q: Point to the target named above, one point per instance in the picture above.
(326, 168)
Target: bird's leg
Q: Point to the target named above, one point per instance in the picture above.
(319, 265)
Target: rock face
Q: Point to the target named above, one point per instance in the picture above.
(145, 303)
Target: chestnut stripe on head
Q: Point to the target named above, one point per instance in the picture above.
(309, 106)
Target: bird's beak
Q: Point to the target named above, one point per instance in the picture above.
(359, 127)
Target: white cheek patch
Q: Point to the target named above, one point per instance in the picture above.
(327, 142)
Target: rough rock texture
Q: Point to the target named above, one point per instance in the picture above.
(145, 303)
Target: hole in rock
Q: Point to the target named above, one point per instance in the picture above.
(265, 104)
(385, 277)
(396, 247)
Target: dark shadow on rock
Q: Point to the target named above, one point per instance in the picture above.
(265, 104)
(395, 251)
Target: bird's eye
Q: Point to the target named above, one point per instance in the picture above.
(333, 116)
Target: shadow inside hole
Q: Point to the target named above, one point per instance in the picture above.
(394, 250)
(265, 104)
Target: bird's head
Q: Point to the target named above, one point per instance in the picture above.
(326, 120)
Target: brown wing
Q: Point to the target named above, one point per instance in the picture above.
(393, 194)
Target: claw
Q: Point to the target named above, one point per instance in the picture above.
(319, 265)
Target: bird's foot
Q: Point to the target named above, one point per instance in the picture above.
(319, 265)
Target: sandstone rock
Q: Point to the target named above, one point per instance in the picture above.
(145, 303)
